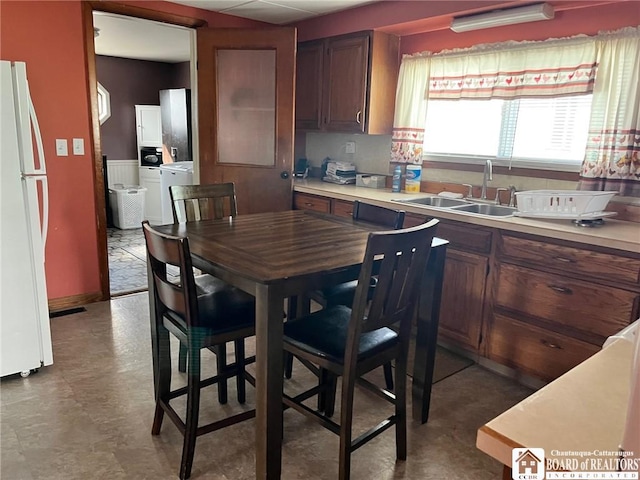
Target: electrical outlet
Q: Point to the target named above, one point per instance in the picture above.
(350, 147)
(61, 147)
(78, 146)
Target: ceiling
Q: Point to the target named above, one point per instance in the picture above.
(135, 38)
(279, 12)
(139, 39)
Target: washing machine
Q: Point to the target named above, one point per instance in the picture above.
(178, 173)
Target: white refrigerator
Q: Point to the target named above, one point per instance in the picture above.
(25, 333)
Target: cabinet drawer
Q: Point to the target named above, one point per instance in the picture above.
(595, 310)
(302, 201)
(533, 350)
(342, 208)
(576, 260)
(465, 237)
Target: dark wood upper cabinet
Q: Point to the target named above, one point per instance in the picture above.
(347, 83)
(309, 85)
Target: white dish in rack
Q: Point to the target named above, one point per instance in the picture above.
(565, 216)
(574, 204)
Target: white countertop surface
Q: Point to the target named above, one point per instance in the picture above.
(614, 234)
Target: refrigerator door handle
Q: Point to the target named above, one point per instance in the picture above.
(45, 212)
(36, 132)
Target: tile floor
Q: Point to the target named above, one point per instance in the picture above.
(89, 415)
(127, 261)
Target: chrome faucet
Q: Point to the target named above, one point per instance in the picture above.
(486, 176)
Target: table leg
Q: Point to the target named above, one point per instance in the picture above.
(427, 333)
(269, 301)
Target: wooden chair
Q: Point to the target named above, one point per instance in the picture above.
(343, 294)
(198, 321)
(362, 212)
(349, 342)
(192, 203)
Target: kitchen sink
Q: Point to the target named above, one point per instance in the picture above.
(441, 202)
(485, 209)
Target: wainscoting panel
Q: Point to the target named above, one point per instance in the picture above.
(122, 171)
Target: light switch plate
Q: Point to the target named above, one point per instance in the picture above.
(61, 147)
(350, 147)
(78, 146)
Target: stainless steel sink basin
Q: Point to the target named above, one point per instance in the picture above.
(484, 209)
(441, 202)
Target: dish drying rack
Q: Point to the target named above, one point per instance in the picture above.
(563, 204)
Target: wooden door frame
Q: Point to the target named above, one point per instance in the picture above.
(88, 7)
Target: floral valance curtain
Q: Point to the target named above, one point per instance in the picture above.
(607, 65)
(411, 110)
(612, 157)
(529, 70)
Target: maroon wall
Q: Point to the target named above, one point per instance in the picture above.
(130, 83)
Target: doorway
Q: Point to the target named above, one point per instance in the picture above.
(134, 59)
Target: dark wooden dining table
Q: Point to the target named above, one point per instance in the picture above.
(275, 256)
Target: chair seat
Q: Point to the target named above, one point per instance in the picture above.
(222, 308)
(324, 334)
(208, 283)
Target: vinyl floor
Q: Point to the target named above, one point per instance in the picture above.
(88, 416)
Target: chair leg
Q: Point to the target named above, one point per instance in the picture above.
(288, 365)
(329, 395)
(182, 358)
(193, 407)
(388, 376)
(221, 360)
(322, 396)
(401, 409)
(240, 375)
(346, 421)
(163, 378)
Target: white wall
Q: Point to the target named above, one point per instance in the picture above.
(372, 156)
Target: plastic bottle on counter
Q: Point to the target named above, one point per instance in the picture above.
(412, 184)
(397, 176)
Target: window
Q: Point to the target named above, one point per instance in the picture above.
(104, 104)
(529, 132)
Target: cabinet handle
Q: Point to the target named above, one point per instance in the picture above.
(560, 289)
(308, 204)
(551, 344)
(359, 116)
(565, 260)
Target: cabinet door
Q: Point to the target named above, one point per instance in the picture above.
(309, 85)
(150, 179)
(463, 298)
(149, 126)
(345, 88)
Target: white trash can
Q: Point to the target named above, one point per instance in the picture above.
(127, 205)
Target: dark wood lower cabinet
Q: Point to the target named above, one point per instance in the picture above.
(463, 292)
(533, 350)
(545, 305)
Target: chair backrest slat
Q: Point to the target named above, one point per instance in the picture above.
(404, 257)
(192, 203)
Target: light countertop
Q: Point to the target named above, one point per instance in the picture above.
(613, 234)
(582, 411)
